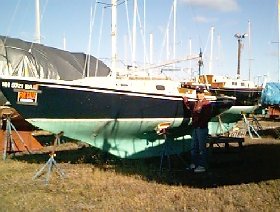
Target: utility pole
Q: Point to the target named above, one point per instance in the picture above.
(200, 62)
(239, 40)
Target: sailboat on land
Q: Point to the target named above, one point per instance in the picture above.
(247, 94)
(32, 59)
(245, 91)
(271, 93)
(119, 114)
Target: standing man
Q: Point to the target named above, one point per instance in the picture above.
(201, 115)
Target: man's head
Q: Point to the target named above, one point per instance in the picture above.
(200, 93)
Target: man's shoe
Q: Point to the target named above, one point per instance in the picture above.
(199, 169)
(191, 167)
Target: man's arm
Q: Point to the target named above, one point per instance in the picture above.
(208, 111)
(188, 104)
(186, 101)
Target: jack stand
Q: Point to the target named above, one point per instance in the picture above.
(165, 153)
(250, 127)
(162, 129)
(51, 163)
(9, 143)
(221, 126)
(256, 123)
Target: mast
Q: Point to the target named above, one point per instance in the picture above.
(190, 53)
(86, 71)
(219, 44)
(37, 38)
(279, 40)
(211, 50)
(144, 32)
(249, 48)
(134, 34)
(167, 45)
(114, 38)
(151, 48)
(200, 62)
(174, 29)
(64, 43)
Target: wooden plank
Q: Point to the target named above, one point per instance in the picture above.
(224, 140)
(31, 142)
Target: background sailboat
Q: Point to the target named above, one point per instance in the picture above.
(270, 98)
(32, 59)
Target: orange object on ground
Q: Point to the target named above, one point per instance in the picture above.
(274, 111)
(31, 143)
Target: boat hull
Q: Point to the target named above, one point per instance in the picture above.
(244, 97)
(124, 138)
(123, 120)
(118, 121)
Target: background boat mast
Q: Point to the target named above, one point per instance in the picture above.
(211, 50)
(37, 38)
(279, 41)
(134, 33)
(114, 38)
(174, 28)
(249, 48)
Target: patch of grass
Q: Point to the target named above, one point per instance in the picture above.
(242, 180)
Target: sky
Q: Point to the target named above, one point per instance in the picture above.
(72, 20)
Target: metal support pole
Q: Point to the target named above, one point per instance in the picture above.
(249, 127)
(238, 56)
(51, 163)
(9, 143)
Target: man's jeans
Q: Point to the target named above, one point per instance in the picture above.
(198, 147)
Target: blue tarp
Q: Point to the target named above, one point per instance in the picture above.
(271, 94)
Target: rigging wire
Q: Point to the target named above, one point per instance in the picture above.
(196, 25)
(128, 26)
(99, 41)
(41, 18)
(87, 61)
(164, 42)
(12, 20)
(31, 44)
(107, 5)
(110, 5)
(142, 28)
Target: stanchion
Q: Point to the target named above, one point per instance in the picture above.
(51, 163)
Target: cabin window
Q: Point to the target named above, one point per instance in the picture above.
(242, 84)
(234, 83)
(160, 87)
